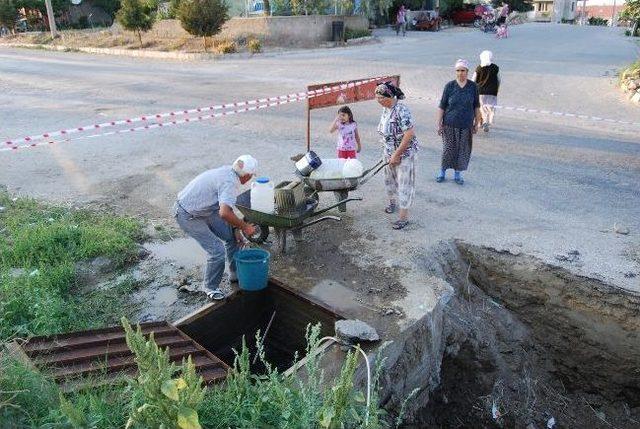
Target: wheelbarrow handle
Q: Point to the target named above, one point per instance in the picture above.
(376, 169)
(326, 209)
(313, 222)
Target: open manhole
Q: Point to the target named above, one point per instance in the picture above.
(82, 359)
(280, 313)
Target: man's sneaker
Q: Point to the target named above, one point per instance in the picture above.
(233, 276)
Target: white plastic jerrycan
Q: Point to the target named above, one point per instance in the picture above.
(352, 168)
(262, 195)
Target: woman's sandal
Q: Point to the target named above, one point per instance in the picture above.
(391, 208)
(215, 295)
(400, 224)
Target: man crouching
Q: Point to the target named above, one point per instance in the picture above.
(204, 210)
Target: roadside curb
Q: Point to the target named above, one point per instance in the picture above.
(122, 52)
(183, 56)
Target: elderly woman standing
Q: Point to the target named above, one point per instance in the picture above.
(400, 148)
(458, 119)
(487, 77)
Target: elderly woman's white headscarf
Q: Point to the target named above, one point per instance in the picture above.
(486, 57)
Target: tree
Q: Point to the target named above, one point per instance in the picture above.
(631, 13)
(8, 14)
(203, 17)
(134, 16)
(109, 6)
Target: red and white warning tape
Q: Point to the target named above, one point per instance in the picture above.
(260, 103)
(568, 115)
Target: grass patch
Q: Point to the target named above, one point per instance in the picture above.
(40, 246)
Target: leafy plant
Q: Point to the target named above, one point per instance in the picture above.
(254, 46)
(203, 17)
(631, 13)
(135, 16)
(355, 33)
(160, 399)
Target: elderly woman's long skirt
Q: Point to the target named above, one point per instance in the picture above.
(456, 148)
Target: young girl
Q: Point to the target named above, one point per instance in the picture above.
(348, 143)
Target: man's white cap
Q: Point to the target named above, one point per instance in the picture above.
(245, 164)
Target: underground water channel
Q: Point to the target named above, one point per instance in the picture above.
(531, 345)
(279, 313)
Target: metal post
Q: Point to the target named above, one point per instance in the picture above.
(613, 14)
(308, 127)
(52, 20)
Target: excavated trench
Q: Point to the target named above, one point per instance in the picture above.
(530, 344)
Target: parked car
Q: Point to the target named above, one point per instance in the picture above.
(468, 14)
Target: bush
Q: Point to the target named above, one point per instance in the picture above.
(203, 17)
(255, 46)
(594, 20)
(351, 33)
(135, 16)
(225, 46)
(8, 14)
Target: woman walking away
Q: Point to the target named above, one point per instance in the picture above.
(458, 119)
(487, 77)
(400, 147)
(401, 21)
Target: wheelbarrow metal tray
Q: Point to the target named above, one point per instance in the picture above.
(278, 220)
(341, 184)
(345, 183)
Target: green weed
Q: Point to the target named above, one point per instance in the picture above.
(40, 246)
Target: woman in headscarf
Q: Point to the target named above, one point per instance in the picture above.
(400, 146)
(487, 77)
(458, 119)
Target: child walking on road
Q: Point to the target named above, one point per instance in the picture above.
(348, 142)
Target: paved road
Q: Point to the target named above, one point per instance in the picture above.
(537, 183)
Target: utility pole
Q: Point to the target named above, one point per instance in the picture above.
(52, 20)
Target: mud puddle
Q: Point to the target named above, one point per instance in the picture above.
(529, 345)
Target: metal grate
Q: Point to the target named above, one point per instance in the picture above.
(103, 356)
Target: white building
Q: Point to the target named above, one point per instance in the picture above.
(553, 10)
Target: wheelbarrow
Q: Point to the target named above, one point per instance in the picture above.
(342, 186)
(293, 221)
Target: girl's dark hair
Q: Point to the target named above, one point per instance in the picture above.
(345, 109)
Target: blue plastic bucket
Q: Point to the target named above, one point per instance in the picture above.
(252, 266)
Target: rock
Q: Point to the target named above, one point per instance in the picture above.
(374, 290)
(354, 331)
(571, 256)
(621, 229)
(631, 86)
(102, 264)
(389, 312)
(17, 272)
(143, 253)
(630, 275)
(188, 288)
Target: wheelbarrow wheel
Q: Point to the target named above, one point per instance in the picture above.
(280, 243)
(261, 235)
